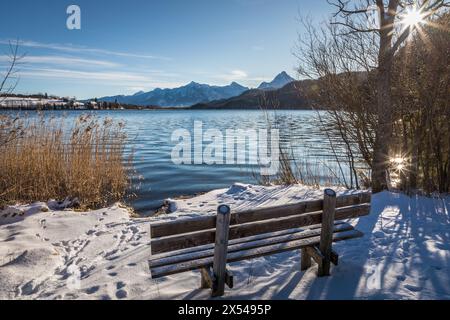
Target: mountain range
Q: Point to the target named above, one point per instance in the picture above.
(291, 96)
(187, 95)
(194, 93)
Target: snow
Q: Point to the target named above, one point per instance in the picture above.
(49, 253)
(243, 197)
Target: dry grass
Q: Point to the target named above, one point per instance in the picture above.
(45, 158)
(305, 170)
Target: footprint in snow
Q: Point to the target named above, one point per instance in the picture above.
(110, 253)
(28, 288)
(401, 278)
(92, 290)
(134, 229)
(120, 285)
(121, 294)
(42, 222)
(413, 288)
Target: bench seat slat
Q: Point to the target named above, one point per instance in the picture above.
(163, 229)
(251, 253)
(210, 246)
(198, 238)
(246, 243)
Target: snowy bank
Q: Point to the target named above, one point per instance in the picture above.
(103, 254)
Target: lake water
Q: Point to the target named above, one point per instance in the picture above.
(150, 133)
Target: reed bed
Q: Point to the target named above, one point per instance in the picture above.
(43, 158)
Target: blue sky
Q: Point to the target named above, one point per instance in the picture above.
(127, 46)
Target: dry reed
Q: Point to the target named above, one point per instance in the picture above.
(44, 158)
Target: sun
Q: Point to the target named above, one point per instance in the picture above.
(413, 17)
(398, 163)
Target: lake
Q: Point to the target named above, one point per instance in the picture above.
(150, 139)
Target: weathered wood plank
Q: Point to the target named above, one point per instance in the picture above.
(249, 254)
(221, 250)
(326, 236)
(308, 253)
(162, 229)
(262, 236)
(272, 239)
(334, 258)
(305, 262)
(315, 253)
(207, 278)
(198, 238)
(229, 279)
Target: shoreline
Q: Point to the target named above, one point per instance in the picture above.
(159, 108)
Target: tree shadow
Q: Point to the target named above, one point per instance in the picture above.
(405, 254)
(402, 252)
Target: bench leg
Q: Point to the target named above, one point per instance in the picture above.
(305, 260)
(326, 236)
(207, 279)
(229, 279)
(334, 258)
(218, 287)
(324, 268)
(220, 251)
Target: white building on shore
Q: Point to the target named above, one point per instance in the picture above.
(32, 103)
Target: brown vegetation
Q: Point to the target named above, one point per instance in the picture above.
(44, 158)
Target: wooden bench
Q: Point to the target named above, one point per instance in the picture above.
(213, 241)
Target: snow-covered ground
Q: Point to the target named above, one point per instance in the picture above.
(103, 254)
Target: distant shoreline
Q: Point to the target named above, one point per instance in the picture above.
(151, 109)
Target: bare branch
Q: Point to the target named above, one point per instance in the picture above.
(14, 58)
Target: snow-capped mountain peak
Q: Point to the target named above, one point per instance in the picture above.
(278, 82)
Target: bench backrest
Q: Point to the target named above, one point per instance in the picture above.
(193, 232)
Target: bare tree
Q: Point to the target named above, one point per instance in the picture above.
(9, 79)
(392, 33)
(10, 128)
(344, 90)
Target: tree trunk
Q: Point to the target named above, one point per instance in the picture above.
(414, 167)
(384, 130)
(447, 174)
(384, 113)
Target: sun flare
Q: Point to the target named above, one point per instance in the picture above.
(398, 163)
(413, 17)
